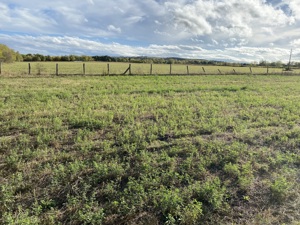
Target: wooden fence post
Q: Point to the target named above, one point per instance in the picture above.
(129, 69)
(250, 70)
(151, 69)
(29, 68)
(107, 68)
(203, 69)
(267, 70)
(187, 70)
(56, 72)
(83, 67)
(170, 69)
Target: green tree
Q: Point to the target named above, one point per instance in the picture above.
(19, 57)
(27, 57)
(6, 54)
(72, 58)
(65, 58)
(263, 63)
(48, 58)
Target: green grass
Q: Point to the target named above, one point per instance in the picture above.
(101, 68)
(150, 150)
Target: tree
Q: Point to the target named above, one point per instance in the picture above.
(48, 58)
(263, 63)
(19, 57)
(65, 58)
(171, 61)
(72, 58)
(7, 55)
(27, 57)
(37, 58)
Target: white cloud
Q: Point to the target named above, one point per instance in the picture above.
(268, 30)
(230, 17)
(75, 45)
(294, 7)
(214, 42)
(295, 43)
(91, 2)
(187, 18)
(112, 28)
(175, 23)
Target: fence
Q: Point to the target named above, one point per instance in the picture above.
(101, 68)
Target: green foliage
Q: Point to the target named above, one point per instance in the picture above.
(246, 176)
(280, 188)
(192, 213)
(232, 170)
(169, 202)
(8, 55)
(212, 192)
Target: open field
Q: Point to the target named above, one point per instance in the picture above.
(101, 68)
(150, 150)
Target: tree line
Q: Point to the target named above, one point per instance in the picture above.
(149, 60)
(8, 55)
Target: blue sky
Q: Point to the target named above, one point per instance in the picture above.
(232, 30)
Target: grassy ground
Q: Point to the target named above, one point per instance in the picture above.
(101, 68)
(150, 150)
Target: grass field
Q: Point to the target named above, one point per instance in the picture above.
(101, 68)
(150, 150)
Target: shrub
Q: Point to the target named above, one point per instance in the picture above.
(280, 188)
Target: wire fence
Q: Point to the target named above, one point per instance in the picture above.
(117, 68)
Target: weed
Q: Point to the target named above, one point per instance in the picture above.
(149, 149)
(279, 189)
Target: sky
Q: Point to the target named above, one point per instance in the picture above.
(225, 30)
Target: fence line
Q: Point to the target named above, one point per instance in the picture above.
(60, 69)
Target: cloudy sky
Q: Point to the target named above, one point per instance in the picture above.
(230, 30)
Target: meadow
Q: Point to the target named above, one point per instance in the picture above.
(117, 68)
(150, 149)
